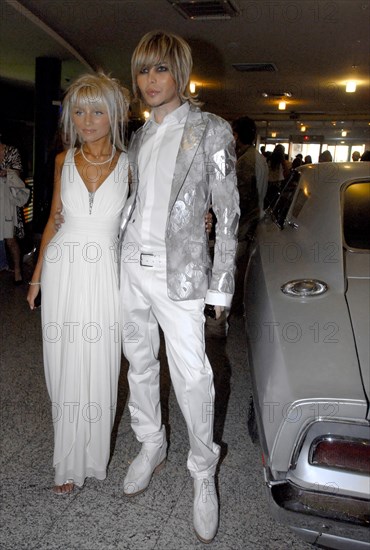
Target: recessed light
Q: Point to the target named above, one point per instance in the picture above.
(351, 86)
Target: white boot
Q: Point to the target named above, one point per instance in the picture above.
(205, 509)
(149, 461)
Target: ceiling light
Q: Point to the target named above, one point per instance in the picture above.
(146, 114)
(303, 128)
(279, 94)
(282, 105)
(351, 86)
(192, 87)
(273, 134)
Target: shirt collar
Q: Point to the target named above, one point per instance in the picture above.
(177, 116)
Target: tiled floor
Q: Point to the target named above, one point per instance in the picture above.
(99, 517)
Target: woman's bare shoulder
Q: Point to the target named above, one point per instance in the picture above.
(60, 158)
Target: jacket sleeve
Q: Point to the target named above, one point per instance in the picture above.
(225, 204)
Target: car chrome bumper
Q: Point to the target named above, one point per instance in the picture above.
(326, 519)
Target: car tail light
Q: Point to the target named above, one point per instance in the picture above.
(352, 454)
(304, 288)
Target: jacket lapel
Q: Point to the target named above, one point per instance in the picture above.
(193, 132)
(133, 175)
(133, 156)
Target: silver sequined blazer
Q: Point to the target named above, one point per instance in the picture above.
(204, 176)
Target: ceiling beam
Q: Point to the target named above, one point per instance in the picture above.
(48, 30)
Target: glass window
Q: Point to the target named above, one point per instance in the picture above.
(356, 218)
(312, 149)
(271, 146)
(341, 153)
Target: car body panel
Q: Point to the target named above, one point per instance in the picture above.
(285, 330)
(358, 299)
(309, 355)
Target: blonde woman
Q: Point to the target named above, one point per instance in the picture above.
(77, 271)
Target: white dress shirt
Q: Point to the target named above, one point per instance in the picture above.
(156, 164)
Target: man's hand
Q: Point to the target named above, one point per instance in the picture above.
(58, 219)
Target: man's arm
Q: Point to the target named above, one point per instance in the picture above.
(58, 219)
(225, 204)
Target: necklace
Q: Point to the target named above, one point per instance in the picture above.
(99, 163)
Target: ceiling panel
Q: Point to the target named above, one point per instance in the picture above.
(314, 45)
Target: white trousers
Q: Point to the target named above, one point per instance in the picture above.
(146, 305)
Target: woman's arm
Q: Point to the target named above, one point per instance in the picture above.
(49, 231)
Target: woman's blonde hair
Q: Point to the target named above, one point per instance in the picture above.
(97, 89)
(158, 47)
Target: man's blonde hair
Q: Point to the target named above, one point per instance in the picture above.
(98, 89)
(158, 47)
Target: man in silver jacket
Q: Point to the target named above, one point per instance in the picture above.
(182, 162)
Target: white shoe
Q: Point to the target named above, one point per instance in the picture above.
(205, 509)
(149, 461)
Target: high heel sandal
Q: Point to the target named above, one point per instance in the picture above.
(65, 489)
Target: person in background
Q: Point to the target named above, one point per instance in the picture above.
(278, 171)
(182, 160)
(356, 155)
(297, 162)
(252, 177)
(365, 156)
(77, 269)
(307, 159)
(10, 159)
(299, 157)
(325, 156)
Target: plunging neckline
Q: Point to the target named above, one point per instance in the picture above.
(102, 183)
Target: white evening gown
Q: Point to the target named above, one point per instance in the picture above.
(80, 317)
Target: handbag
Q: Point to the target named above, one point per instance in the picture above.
(18, 192)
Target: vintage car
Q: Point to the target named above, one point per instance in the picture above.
(307, 304)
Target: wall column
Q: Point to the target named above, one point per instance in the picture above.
(47, 91)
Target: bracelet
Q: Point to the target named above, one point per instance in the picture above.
(38, 283)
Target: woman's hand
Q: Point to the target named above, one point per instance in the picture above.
(32, 294)
(208, 222)
(218, 311)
